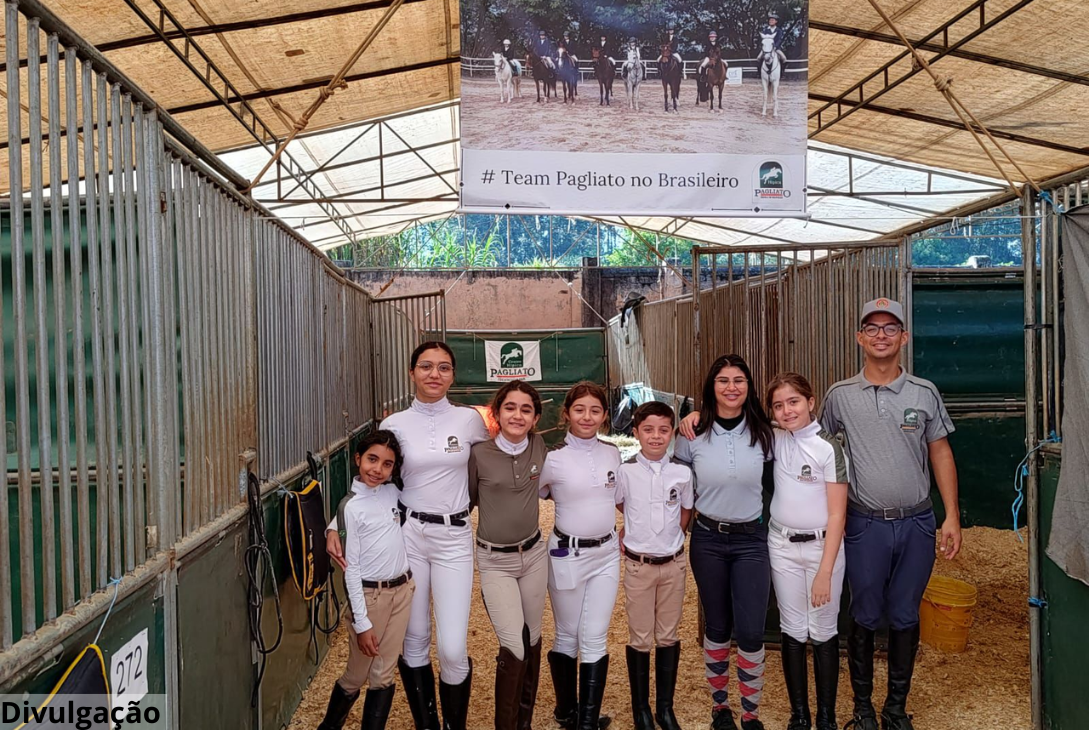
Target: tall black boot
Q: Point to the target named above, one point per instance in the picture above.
(454, 699)
(639, 679)
(420, 690)
(530, 681)
(376, 706)
(826, 677)
(565, 682)
(797, 682)
(903, 646)
(860, 662)
(510, 672)
(340, 704)
(666, 661)
(592, 678)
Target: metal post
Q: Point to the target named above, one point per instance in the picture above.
(1028, 256)
(18, 279)
(60, 349)
(41, 326)
(79, 356)
(161, 442)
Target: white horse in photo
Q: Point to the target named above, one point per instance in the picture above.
(634, 74)
(771, 70)
(504, 75)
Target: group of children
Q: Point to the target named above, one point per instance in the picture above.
(821, 526)
(653, 492)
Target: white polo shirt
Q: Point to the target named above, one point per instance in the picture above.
(583, 475)
(805, 461)
(375, 549)
(435, 439)
(653, 493)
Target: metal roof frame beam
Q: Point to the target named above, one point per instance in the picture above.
(882, 75)
(952, 124)
(910, 167)
(984, 58)
(309, 85)
(245, 108)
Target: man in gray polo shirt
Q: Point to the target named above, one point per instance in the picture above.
(895, 428)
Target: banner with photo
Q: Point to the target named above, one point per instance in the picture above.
(646, 107)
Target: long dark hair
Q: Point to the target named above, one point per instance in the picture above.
(755, 418)
(383, 437)
(582, 389)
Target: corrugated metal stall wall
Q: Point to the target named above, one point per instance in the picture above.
(162, 336)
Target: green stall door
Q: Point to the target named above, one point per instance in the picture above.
(565, 357)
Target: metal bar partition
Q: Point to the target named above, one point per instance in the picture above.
(165, 334)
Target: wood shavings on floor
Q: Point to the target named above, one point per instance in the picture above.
(986, 686)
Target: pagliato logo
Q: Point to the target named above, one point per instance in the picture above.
(513, 360)
(511, 355)
(770, 181)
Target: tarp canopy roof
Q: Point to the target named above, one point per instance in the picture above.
(1030, 93)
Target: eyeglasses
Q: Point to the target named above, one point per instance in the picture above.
(890, 330)
(445, 368)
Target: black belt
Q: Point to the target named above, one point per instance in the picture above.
(398, 581)
(653, 559)
(891, 513)
(457, 519)
(565, 540)
(520, 548)
(745, 528)
(797, 535)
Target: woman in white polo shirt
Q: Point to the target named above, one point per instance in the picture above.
(805, 543)
(435, 436)
(582, 476)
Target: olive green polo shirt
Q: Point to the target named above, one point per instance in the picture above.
(504, 488)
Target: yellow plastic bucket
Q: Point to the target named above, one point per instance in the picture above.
(945, 614)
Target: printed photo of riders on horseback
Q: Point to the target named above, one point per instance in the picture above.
(716, 76)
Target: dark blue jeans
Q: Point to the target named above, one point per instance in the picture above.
(888, 566)
(733, 575)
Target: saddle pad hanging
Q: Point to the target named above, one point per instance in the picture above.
(304, 533)
(86, 684)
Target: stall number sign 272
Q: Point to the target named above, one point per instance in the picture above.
(128, 671)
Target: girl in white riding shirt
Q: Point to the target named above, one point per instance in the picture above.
(436, 437)
(805, 543)
(584, 557)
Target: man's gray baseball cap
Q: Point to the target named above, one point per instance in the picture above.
(889, 306)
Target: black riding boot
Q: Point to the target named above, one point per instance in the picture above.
(903, 646)
(376, 706)
(639, 679)
(420, 690)
(340, 704)
(797, 682)
(826, 677)
(591, 691)
(860, 662)
(666, 661)
(565, 682)
(510, 675)
(454, 699)
(530, 681)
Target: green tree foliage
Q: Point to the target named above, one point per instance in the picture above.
(996, 234)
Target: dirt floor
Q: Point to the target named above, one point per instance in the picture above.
(986, 686)
(585, 126)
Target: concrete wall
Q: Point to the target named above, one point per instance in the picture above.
(490, 299)
(530, 298)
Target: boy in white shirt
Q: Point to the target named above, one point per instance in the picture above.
(378, 581)
(657, 504)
